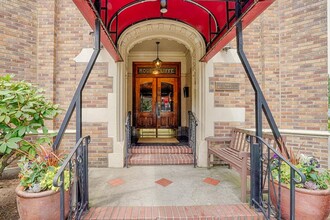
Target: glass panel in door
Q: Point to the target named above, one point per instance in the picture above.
(167, 98)
(145, 99)
(166, 94)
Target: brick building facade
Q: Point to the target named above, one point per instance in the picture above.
(286, 46)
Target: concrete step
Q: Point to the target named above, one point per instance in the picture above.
(160, 159)
(236, 211)
(161, 150)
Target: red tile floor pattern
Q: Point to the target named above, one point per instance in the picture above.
(211, 181)
(163, 182)
(239, 211)
(116, 182)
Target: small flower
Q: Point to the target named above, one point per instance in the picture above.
(310, 185)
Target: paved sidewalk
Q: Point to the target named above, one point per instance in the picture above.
(163, 186)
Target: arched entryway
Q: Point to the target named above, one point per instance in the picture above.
(167, 32)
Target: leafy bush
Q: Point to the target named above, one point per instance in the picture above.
(23, 110)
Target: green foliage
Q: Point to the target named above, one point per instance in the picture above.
(31, 174)
(47, 181)
(316, 177)
(23, 110)
(37, 175)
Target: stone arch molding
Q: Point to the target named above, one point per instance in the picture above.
(173, 30)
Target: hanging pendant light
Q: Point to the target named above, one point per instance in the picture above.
(163, 6)
(157, 62)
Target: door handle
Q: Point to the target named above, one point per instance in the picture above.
(158, 110)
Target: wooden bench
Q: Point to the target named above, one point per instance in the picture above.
(235, 151)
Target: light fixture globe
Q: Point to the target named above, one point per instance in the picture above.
(163, 6)
(157, 62)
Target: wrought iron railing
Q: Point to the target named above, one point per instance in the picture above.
(192, 134)
(128, 133)
(76, 164)
(271, 157)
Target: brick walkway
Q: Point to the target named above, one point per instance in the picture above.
(239, 211)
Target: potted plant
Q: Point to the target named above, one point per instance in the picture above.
(312, 199)
(37, 198)
(24, 111)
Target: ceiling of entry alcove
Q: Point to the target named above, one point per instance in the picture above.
(165, 45)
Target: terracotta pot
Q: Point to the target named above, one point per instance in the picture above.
(310, 204)
(40, 206)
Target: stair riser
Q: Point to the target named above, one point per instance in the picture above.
(160, 159)
(160, 162)
(161, 151)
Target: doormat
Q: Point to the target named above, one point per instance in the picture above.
(158, 141)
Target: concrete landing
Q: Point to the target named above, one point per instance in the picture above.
(163, 186)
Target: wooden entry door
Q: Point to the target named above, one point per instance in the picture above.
(156, 102)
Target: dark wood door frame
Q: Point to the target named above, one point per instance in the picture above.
(142, 73)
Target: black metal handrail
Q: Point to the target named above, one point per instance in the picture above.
(266, 207)
(128, 132)
(192, 134)
(76, 164)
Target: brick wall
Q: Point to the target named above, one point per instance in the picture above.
(100, 144)
(303, 64)
(18, 38)
(287, 49)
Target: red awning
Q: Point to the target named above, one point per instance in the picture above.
(213, 19)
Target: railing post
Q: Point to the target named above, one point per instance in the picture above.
(78, 117)
(292, 194)
(62, 203)
(192, 134)
(128, 131)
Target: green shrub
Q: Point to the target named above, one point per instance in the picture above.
(23, 110)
